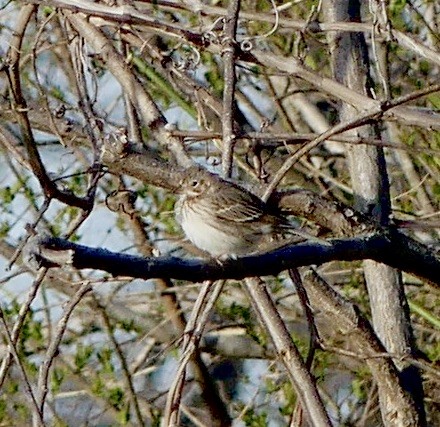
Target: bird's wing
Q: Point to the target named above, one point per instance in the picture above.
(240, 207)
(239, 213)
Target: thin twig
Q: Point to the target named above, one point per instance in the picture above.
(305, 303)
(361, 119)
(193, 332)
(24, 310)
(20, 108)
(54, 346)
(27, 385)
(126, 374)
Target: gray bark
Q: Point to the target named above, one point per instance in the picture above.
(367, 167)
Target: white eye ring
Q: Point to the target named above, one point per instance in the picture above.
(194, 183)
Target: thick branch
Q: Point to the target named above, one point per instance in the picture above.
(361, 337)
(392, 248)
(300, 376)
(124, 157)
(121, 156)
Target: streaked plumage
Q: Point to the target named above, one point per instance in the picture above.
(223, 218)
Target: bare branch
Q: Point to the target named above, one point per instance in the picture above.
(389, 247)
(229, 55)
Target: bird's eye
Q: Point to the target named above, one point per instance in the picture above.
(194, 183)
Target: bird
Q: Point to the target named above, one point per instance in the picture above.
(226, 220)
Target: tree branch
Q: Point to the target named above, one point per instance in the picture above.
(20, 108)
(229, 54)
(389, 247)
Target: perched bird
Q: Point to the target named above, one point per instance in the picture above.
(225, 219)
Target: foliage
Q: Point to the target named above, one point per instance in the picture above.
(116, 349)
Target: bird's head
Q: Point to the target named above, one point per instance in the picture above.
(196, 181)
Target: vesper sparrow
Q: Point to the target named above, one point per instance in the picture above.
(224, 219)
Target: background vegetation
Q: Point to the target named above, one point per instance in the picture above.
(339, 98)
